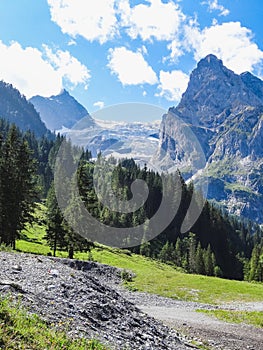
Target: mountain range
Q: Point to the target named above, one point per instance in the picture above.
(63, 113)
(215, 133)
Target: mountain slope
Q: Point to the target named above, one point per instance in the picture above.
(225, 112)
(16, 109)
(60, 111)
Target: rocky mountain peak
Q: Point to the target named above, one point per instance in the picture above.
(61, 110)
(253, 83)
(225, 112)
(63, 92)
(210, 61)
(213, 92)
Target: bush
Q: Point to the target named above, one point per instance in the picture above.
(127, 276)
(217, 271)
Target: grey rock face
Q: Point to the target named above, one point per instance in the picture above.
(225, 112)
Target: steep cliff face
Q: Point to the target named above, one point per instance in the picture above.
(224, 111)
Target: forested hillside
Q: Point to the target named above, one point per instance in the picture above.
(217, 244)
(15, 108)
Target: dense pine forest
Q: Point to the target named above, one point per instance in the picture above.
(216, 245)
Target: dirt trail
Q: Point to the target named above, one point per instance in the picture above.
(202, 329)
(207, 330)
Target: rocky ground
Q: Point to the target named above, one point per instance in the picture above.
(200, 328)
(75, 295)
(86, 299)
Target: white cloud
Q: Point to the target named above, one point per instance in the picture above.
(172, 85)
(99, 104)
(176, 50)
(34, 74)
(93, 20)
(155, 20)
(28, 71)
(177, 46)
(143, 50)
(68, 66)
(213, 5)
(131, 67)
(229, 41)
(72, 43)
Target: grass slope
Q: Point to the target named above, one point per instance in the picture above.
(151, 276)
(155, 277)
(20, 330)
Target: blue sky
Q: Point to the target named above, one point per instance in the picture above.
(106, 52)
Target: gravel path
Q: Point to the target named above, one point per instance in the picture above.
(200, 328)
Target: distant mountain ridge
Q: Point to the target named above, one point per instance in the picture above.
(225, 112)
(16, 109)
(60, 111)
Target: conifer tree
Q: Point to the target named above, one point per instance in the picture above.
(209, 261)
(18, 187)
(192, 253)
(256, 264)
(200, 265)
(56, 231)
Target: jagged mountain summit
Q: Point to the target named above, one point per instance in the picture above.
(16, 109)
(60, 111)
(224, 111)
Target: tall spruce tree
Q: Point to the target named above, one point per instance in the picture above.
(56, 231)
(18, 185)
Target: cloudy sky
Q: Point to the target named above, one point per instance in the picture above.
(106, 52)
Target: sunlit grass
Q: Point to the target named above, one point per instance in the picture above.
(254, 318)
(21, 330)
(155, 277)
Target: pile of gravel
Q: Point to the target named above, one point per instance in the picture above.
(80, 297)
